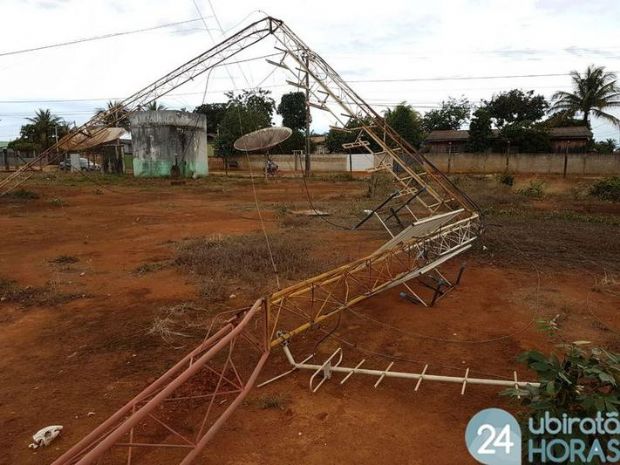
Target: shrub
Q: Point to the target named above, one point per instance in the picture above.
(579, 384)
(507, 178)
(379, 185)
(607, 189)
(535, 189)
(23, 194)
(527, 140)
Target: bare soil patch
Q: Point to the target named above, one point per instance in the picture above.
(61, 360)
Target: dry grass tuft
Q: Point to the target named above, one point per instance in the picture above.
(64, 260)
(272, 402)
(295, 221)
(30, 295)
(150, 267)
(175, 322)
(244, 261)
(608, 283)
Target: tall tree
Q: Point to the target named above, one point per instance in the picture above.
(594, 91)
(479, 131)
(452, 115)
(524, 138)
(297, 141)
(214, 112)
(516, 106)
(154, 106)
(606, 146)
(336, 137)
(255, 100)
(40, 133)
(561, 119)
(406, 122)
(114, 115)
(245, 112)
(292, 108)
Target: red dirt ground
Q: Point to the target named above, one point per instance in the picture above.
(92, 354)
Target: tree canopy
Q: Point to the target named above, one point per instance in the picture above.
(406, 122)
(336, 137)
(40, 133)
(402, 118)
(452, 115)
(154, 106)
(517, 114)
(245, 112)
(516, 106)
(114, 115)
(605, 146)
(594, 91)
(561, 119)
(214, 112)
(479, 131)
(292, 108)
(524, 137)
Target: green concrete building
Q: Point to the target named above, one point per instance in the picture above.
(169, 143)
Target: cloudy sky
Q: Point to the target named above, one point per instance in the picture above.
(421, 45)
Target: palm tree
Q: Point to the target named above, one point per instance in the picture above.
(43, 127)
(115, 114)
(154, 106)
(594, 91)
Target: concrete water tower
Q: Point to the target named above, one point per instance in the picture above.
(169, 143)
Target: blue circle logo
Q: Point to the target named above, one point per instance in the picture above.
(493, 437)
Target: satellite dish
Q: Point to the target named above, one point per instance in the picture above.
(262, 139)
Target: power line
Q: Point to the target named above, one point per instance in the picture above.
(462, 78)
(211, 92)
(179, 94)
(100, 37)
(223, 34)
(204, 22)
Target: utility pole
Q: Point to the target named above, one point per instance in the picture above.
(307, 168)
(56, 140)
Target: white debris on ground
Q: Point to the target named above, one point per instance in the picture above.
(310, 212)
(45, 436)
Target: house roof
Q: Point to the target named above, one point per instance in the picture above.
(448, 136)
(462, 135)
(83, 141)
(570, 131)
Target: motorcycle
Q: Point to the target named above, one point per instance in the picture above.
(271, 168)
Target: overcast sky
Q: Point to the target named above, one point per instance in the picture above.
(393, 39)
